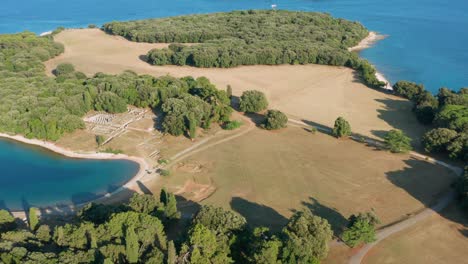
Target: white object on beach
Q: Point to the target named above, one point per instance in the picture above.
(45, 33)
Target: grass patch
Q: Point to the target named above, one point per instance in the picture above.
(231, 125)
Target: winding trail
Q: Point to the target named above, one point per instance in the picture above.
(385, 232)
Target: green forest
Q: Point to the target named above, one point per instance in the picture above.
(140, 232)
(446, 113)
(251, 38)
(38, 106)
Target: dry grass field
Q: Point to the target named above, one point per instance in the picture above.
(311, 92)
(438, 239)
(266, 175)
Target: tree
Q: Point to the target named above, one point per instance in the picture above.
(407, 89)
(397, 142)
(275, 120)
(437, 140)
(64, 69)
(361, 229)
(131, 245)
(100, 140)
(7, 221)
(229, 91)
(33, 218)
(110, 102)
(341, 128)
(253, 101)
(219, 220)
(171, 253)
(306, 238)
(144, 203)
(43, 233)
(170, 210)
(203, 248)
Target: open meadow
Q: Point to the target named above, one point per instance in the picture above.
(265, 176)
(315, 93)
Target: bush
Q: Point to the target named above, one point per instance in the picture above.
(275, 120)
(100, 140)
(341, 128)
(92, 26)
(253, 101)
(64, 69)
(397, 142)
(438, 139)
(113, 151)
(7, 221)
(164, 172)
(231, 125)
(361, 229)
(407, 89)
(33, 218)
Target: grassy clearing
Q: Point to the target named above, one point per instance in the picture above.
(314, 92)
(438, 239)
(265, 175)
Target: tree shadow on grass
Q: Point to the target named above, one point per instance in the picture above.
(257, 214)
(428, 183)
(337, 221)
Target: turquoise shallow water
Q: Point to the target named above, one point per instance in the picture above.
(31, 176)
(426, 43)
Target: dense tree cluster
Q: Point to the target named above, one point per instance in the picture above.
(250, 38)
(136, 233)
(447, 111)
(462, 187)
(42, 107)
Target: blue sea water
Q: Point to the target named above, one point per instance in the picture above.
(31, 176)
(427, 40)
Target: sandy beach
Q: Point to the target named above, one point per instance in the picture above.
(368, 42)
(131, 184)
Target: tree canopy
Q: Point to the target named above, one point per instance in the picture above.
(251, 37)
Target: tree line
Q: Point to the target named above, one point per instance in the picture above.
(447, 112)
(42, 107)
(251, 37)
(136, 232)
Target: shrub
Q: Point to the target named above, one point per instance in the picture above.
(113, 151)
(164, 172)
(100, 140)
(438, 139)
(7, 221)
(92, 26)
(253, 101)
(407, 89)
(341, 128)
(64, 69)
(361, 229)
(275, 120)
(231, 125)
(397, 142)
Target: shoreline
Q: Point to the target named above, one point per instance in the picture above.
(368, 42)
(130, 184)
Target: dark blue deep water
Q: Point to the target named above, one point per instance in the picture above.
(427, 40)
(32, 176)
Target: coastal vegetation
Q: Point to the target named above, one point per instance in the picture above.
(46, 108)
(136, 232)
(447, 112)
(397, 142)
(251, 37)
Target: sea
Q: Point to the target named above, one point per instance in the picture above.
(33, 176)
(426, 43)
